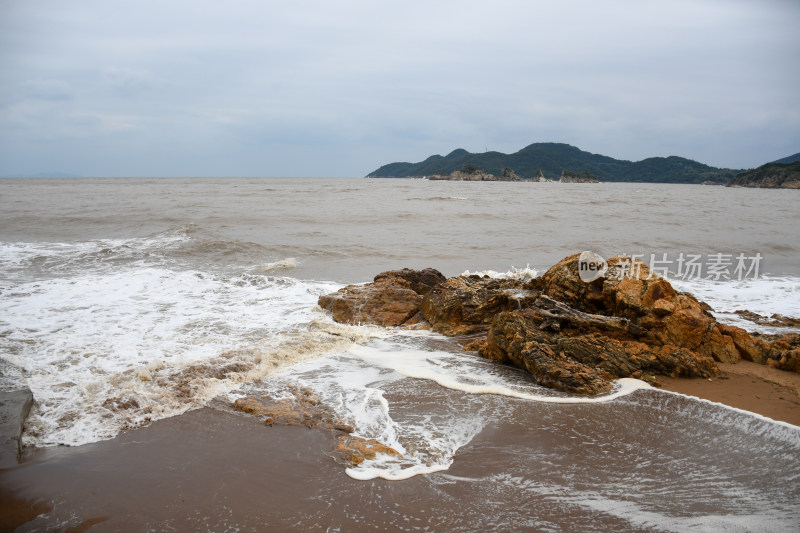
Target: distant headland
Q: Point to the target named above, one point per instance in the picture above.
(565, 163)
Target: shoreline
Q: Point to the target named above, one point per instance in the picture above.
(216, 468)
(745, 385)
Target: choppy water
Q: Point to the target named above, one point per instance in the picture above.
(126, 301)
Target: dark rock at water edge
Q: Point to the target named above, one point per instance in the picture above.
(15, 406)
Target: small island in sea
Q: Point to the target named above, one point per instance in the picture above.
(541, 162)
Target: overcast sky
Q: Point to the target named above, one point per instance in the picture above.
(324, 88)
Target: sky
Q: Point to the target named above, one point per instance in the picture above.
(320, 88)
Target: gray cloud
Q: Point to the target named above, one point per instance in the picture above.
(334, 89)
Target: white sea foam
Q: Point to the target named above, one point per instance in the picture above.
(19, 259)
(522, 274)
(364, 384)
(766, 295)
(106, 351)
(736, 410)
(474, 375)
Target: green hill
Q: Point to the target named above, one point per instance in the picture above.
(789, 159)
(552, 158)
(770, 176)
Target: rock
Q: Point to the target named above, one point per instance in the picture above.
(784, 351)
(583, 356)
(515, 338)
(750, 348)
(15, 406)
(539, 177)
(303, 409)
(577, 177)
(355, 450)
(508, 174)
(467, 304)
(775, 320)
(659, 314)
(390, 301)
(570, 334)
(420, 281)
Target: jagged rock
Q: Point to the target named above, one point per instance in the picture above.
(572, 334)
(577, 177)
(355, 450)
(508, 174)
(392, 299)
(585, 356)
(304, 409)
(659, 314)
(750, 348)
(775, 320)
(467, 304)
(784, 351)
(421, 281)
(388, 302)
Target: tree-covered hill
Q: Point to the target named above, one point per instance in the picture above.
(553, 158)
(770, 176)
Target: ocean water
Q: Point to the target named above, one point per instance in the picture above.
(124, 301)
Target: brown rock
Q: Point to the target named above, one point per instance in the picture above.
(659, 314)
(784, 351)
(420, 281)
(775, 320)
(467, 304)
(355, 450)
(516, 338)
(569, 334)
(750, 348)
(303, 409)
(388, 302)
(583, 359)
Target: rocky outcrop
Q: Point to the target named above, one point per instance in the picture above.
(420, 281)
(659, 315)
(539, 177)
(303, 408)
(571, 334)
(508, 174)
(472, 173)
(394, 298)
(770, 176)
(466, 305)
(577, 177)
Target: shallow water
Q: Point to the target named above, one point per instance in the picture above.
(125, 301)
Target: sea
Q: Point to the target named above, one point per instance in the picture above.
(126, 301)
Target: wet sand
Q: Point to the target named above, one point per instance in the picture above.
(215, 470)
(750, 386)
(206, 470)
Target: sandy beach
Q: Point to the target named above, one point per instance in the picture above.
(757, 388)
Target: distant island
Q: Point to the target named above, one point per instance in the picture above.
(549, 161)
